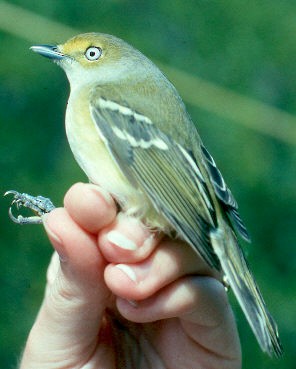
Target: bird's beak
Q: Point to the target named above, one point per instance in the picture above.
(49, 51)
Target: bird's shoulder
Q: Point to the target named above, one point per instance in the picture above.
(158, 101)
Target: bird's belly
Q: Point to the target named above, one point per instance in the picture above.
(95, 160)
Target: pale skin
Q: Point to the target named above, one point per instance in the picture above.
(164, 309)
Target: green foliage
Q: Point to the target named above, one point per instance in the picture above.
(247, 47)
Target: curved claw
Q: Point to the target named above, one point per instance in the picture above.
(24, 220)
(11, 192)
(12, 217)
(16, 202)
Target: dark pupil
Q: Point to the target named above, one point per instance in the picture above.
(92, 53)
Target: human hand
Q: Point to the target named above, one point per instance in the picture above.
(120, 296)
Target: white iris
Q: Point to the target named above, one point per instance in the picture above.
(93, 53)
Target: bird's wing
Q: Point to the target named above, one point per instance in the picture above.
(166, 171)
(224, 194)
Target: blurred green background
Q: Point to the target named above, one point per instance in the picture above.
(234, 64)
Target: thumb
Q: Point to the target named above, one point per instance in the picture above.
(67, 326)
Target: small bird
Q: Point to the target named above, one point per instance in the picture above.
(130, 133)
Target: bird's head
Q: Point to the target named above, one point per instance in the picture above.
(96, 58)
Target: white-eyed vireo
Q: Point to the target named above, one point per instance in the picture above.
(131, 134)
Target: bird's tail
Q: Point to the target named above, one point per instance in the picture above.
(243, 284)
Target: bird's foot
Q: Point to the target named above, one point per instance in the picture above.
(38, 204)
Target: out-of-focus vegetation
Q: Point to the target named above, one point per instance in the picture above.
(247, 50)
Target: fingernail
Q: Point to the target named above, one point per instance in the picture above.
(121, 241)
(99, 190)
(49, 231)
(128, 271)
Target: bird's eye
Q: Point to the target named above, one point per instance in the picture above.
(93, 53)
